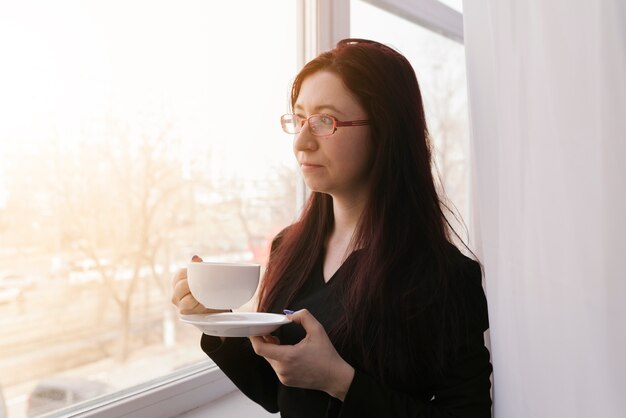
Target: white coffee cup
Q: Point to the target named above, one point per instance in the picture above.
(222, 285)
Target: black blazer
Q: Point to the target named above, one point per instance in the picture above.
(462, 391)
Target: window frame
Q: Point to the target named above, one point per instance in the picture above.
(320, 24)
(168, 396)
(430, 14)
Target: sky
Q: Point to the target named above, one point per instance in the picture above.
(218, 75)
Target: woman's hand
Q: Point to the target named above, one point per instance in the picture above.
(313, 363)
(182, 297)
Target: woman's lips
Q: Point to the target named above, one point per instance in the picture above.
(309, 167)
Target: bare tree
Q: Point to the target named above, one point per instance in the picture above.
(119, 205)
(264, 212)
(446, 105)
(120, 199)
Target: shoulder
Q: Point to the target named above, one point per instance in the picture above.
(459, 269)
(466, 287)
(463, 268)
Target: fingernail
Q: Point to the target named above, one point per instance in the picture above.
(287, 312)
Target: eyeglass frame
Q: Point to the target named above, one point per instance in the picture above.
(336, 123)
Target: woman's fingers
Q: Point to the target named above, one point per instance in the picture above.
(188, 305)
(307, 320)
(271, 339)
(181, 295)
(270, 348)
(183, 299)
(180, 275)
(181, 289)
(313, 363)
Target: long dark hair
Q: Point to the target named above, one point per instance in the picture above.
(403, 224)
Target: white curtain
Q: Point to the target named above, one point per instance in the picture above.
(547, 87)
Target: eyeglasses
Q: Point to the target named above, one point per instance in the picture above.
(319, 125)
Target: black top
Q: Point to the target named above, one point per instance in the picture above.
(463, 390)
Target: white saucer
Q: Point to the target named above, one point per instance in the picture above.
(236, 324)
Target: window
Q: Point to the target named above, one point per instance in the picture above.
(455, 4)
(134, 134)
(439, 64)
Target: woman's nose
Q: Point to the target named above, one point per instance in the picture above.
(304, 140)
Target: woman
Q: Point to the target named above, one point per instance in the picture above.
(389, 314)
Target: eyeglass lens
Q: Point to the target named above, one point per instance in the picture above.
(318, 124)
(321, 125)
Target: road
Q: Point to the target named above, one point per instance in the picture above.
(75, 331)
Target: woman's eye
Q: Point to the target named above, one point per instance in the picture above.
(326, 120)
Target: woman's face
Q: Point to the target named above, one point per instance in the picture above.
(338, 164)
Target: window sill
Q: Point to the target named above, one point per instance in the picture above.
(168, 397)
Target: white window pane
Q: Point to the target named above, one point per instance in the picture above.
(439, 64)
(134, 135)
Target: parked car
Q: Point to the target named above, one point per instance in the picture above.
(58, 392)
(9, 294)
(17, 280)
(13, 287)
